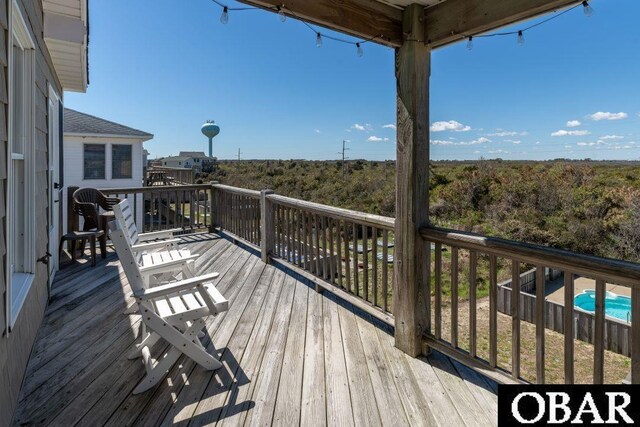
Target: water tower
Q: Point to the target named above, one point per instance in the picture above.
(210, 130)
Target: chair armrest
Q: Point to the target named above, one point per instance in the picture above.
(182, 285)
(163, 265)
(155, 245)
(165, 234)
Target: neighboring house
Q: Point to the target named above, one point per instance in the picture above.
(201, 161)
(99, 153)
(178, 162)
(43, 48)
(145, 158)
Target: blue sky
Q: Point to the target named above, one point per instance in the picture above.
(165, 67)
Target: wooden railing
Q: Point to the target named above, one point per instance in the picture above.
(162, 176)
(489, 256)
(237, 211)
(352, 253)
(347, 252)
(165, 207)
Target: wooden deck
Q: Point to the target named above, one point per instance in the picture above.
(291, 356)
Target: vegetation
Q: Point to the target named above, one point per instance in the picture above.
(582, 206)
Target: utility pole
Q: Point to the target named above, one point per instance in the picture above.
(239, 154)
(344, 149)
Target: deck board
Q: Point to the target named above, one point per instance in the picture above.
(290, 356)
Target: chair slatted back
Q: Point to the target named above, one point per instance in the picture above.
(124, 214)
(126, 256)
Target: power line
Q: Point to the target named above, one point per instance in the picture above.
(344, 149)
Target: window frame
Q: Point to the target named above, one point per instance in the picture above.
(113, 162)
(19, 282)
(106, 161)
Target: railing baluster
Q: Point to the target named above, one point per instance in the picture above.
(473, 277)
(493, 311)
(635, 335)
(438, 290)
(347, 258)
(325, 261)
(289, 242)
(316, 222)
(385, 269)
(338, 256)
(515, 319)
(598, 342)
(374, 265)
(354, 243)
(332, 265)
(365, 261)
(540, 324)
(568, 327)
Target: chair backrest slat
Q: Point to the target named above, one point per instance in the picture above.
(126, 256)
(124, 214)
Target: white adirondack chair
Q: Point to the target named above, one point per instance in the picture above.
(175, 312)
(157, 253)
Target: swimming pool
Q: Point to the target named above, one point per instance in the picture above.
(617, 306)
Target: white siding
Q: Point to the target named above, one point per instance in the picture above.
(74, 168)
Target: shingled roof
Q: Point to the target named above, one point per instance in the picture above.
(81, 123)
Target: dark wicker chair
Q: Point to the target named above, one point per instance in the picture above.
(97, 211)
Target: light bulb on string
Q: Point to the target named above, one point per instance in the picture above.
(319, 40)
(520, 38)
(224, 18)
(283, 17)
(470, 43)
(587, 9)
(360, 51)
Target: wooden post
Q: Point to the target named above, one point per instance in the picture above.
(411, 288)
(213, 204)
(266, 225)
(72, 219)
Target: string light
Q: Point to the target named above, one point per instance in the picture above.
(224, 18)
(280, 10)
(283, 17)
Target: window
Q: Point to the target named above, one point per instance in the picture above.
(121, 161)
(21, 176)
(94, 161)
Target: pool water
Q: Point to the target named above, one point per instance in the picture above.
(617, 306)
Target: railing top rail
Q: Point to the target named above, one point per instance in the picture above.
(371, 220)
(180, 187)
(162, 168)
(611, 270)
(236, 190)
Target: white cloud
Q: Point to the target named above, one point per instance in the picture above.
(497, 152)
(503, 134)
(612, 137)
(389, 126)
(451, 125)
(516, 142)
(358, 127)
(537, 142)
(571, 133)
(573, 123)
(608, 116)
(586, 144)
(376, 139)
(317, 131)
(481, 140)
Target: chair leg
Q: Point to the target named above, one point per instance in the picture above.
(147, 341)
(184, 342)
(92, 244)
(158, 372)
(103, 246)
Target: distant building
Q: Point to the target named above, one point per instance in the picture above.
(201, 162)
(99, 153)
(178, 162)
(145, 158)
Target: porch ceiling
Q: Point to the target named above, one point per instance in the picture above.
(446, 21)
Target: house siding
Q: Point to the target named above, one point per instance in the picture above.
(74, 176)
(15, 347)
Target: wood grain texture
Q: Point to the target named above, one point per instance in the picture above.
(411, 291)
